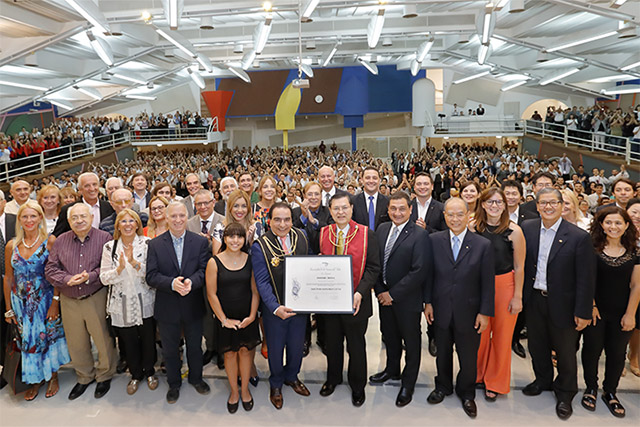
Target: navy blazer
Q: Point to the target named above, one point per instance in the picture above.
(409, 265)
(463, 288)
(571, 272)
(361, 209)
(434, 219)
(162, 268)
(524, 214)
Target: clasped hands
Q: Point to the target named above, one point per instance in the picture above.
(237, 324)
(182, 285)
(78, 279)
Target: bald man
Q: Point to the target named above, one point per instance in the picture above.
(327, 178)
(20, 191)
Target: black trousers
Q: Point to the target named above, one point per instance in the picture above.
(338, 327)
(139, 343)
(400, 325)
(467, 343)
(607, 335)
(170, 335)
(543, 336)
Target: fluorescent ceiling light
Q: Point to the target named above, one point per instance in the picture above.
(375, 28)
(306, 69)
(373, 68)
(559, 76)
(473, 77)
(616, 78)
(128, 78)
(415, 67)
(582, 41)
(311, 6)
(142, 97)
(622, 89)
(630, 66)
(58, 103)
(196, 77)
(101, 48)
(175, 42)
(423, 50)
(513, 85)
(248, 59)
(22, 85)
(486, 25)
(82, 6)
(483, 52)
(205, 62)
(173, 10)
(89, 92)
(241, 74)
(333, 51)
(261, 34)
(617, 3)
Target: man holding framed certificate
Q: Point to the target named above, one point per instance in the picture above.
(346, 237)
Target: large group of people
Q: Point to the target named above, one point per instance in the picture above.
(484, 242)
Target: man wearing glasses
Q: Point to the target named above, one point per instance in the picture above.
(558, 294)
(120, 200)
(540, 180)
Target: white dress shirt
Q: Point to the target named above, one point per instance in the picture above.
(547, 236)
(423, 209)
(515, 215)
(95, 211)
(330, 193)
(460, 238)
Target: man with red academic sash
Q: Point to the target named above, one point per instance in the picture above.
(346, 237)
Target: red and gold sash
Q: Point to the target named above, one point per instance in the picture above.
(356, 243)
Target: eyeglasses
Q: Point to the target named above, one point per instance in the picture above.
(552, 203)
(203, 203)
(494, 202)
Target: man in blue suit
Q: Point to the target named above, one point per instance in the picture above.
(459, 301)
(282, 327)
(176, 262)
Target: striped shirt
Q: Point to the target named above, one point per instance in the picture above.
(70, 256)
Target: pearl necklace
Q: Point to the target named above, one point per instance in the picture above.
(24, 242)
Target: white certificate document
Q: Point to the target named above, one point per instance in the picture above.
(318, 284)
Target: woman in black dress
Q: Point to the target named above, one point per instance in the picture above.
(614, 307)
(233, 296)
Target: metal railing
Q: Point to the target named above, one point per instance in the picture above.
(168, 134)
(478, 126)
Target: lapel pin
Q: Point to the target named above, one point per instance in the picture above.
(560, 241)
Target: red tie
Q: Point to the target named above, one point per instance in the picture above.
(285, 248)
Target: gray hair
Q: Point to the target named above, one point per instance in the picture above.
(85, 175)
(106, 183)
(548, 190)
(452, 199)
(203, 192)
(227, 178)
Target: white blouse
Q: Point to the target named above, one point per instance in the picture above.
(130, 298)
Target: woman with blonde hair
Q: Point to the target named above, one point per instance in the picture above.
(571, 210)
(238, 205)
(50, 200)
(32, 303)
(157, 223)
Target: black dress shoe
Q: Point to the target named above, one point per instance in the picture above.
(533, 389)
(563, 410)
(327, 389)
(404, 397)
(78, 390)
(247, 405)
(207, 357)
(435, 397)
(357, 398)
(172, 395)
(202, 388)
(3, 383)
(232, 407)
(433, 350)
(122, 366)
(382, 377)
(470, 408)
(102, 388)
(518, 349)
(220, 362)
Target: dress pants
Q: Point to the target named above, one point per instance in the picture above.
(85, 320)
(170, 334)
(139, 343)
(494, 353)
(338, 327)
(607, 335)
(466, 342)
(401, 325)
(279, 334)
(543, 336)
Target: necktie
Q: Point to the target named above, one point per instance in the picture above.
(456, 247)
(2, 243)
(326, 199)
(372, 214)
(387, 251)
(205, 229)
(285, 248)
(340, 247)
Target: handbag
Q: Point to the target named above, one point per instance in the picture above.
(12, 370)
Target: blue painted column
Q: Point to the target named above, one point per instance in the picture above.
(353, 122)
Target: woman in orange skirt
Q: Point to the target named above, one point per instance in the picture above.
(494, 353)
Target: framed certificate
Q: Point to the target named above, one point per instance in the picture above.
(318, 284)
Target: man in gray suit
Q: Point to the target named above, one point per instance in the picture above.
(193, 185)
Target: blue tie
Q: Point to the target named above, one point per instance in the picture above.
(456, 247)
(372, 214)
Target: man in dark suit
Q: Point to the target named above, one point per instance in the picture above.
(540, 180)
(370, 207)
(426, 212)
(346, 237)
(227, 185)
(176, 263)
(558, 295)
(623, 190)
(405, 251)
(459, 302)
(89, 189)
(7, 232)
(327, 178)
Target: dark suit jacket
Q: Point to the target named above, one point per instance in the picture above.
(220, 207)
(372, 269)
(571, 272)
(361, 209)
(409, 265)
(62, 225)
(463, 288)
(531, 208)
(434, 217)
(313, 232)
(524, 215)
(162, 268)
(9, 231)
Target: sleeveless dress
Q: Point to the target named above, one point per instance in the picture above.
(44, 348)
(234, 293)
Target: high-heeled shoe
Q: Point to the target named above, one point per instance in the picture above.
(254, 381)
